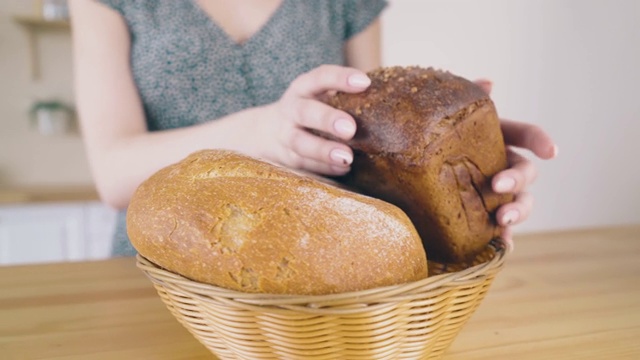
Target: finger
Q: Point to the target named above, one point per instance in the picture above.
(529, 136)
(507, 235)
(485, 84)
(313, 114)
(329, 77)
(318, 167)
(516, 211)
(517, 177)
(309, 146)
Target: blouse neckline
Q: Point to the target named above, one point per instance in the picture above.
(261, 32)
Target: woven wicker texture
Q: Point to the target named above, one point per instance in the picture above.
(418, 320)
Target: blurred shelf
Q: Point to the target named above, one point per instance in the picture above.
(47, 194)
(38, 23)
(35, 25)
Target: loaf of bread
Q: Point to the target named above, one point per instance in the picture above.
(429, 142)
(233, 221)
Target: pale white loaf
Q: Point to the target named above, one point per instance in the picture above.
(236, 222)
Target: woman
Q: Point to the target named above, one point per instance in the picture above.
(151, 75)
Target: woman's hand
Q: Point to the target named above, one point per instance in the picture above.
(285, 127)
(522, 171)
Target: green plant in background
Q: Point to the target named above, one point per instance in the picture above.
(49, 105)
(51, 116)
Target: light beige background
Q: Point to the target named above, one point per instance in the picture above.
(570, 66)
(26, 157)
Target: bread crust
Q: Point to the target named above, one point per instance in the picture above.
(429, 142)
(233, 221)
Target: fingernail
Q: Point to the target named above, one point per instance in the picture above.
(554, 151)
(485, 83)
(510, 217)
(340, 170)
(505, 184)
(345, 127)
(510, 245)
(342, 157)
(359, 80)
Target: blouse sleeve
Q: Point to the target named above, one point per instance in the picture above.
(358, 14)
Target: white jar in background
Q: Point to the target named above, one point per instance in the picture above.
(52, 117)
(52, 122)
(55, 10)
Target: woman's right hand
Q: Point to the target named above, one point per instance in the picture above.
(284, 131)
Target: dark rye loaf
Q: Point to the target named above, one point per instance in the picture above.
(429, 142)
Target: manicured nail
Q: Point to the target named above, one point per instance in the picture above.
(485, 84)
(510, 217)
(505, 184)
(342, 157)
(510, 245)
(341, 170)
(359, 80)
(345, 127)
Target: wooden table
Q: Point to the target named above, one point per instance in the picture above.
(566, 295)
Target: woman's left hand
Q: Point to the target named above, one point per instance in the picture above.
(522, 171)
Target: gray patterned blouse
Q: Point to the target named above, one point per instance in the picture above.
(188, 70)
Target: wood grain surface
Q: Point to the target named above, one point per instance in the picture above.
(561, 295)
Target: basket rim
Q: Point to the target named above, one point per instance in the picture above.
(467, 275)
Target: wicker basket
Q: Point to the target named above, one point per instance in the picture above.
(417, 320)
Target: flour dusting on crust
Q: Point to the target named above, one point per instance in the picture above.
(358, 212)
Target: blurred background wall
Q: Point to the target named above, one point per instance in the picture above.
(570, 66)
(28, 158)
